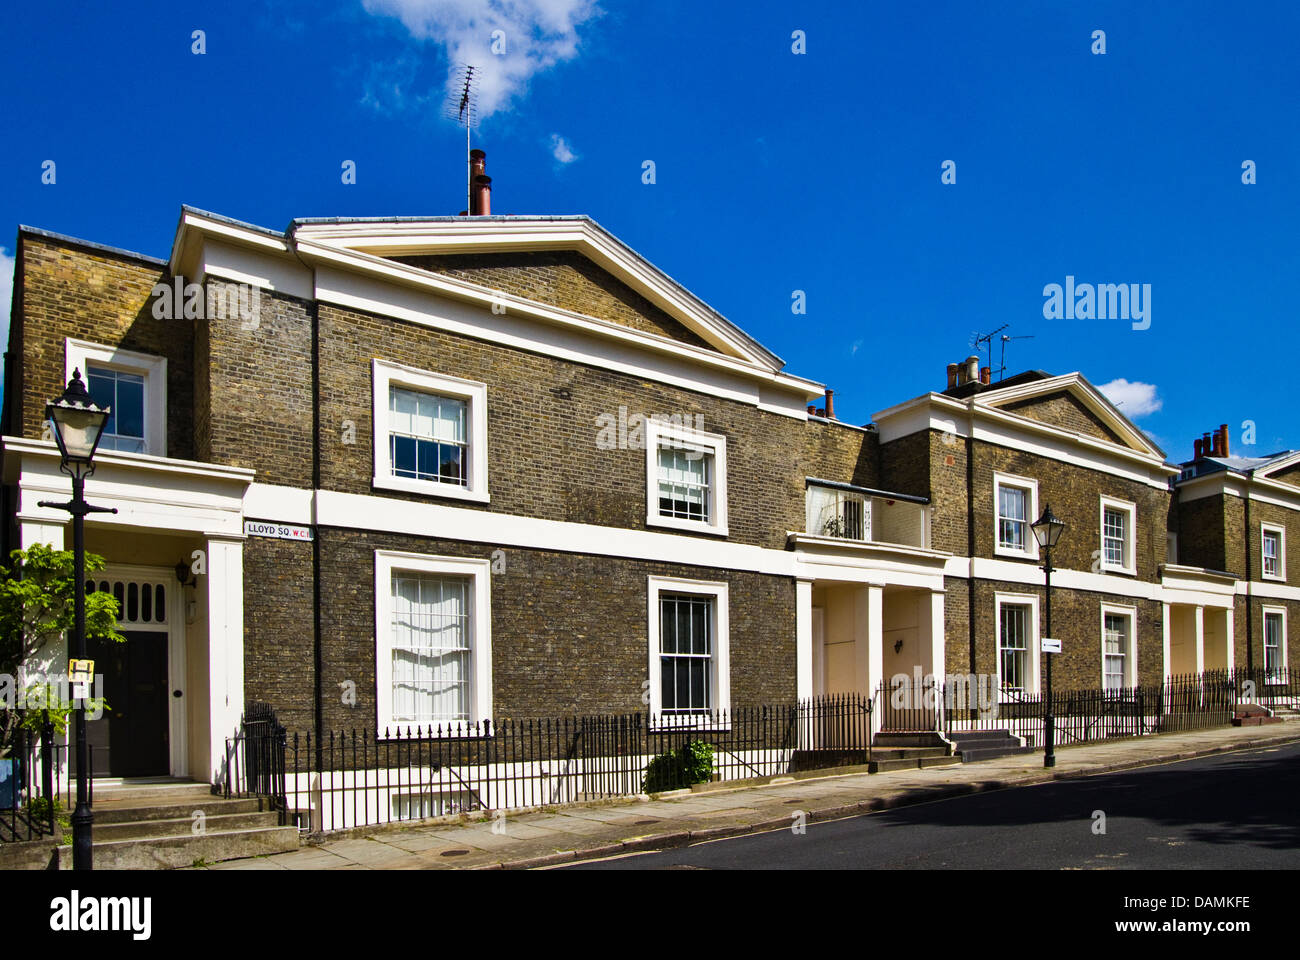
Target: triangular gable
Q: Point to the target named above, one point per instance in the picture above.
(1285, 468)
(565, 279)
(1071, 403)
(676, 312)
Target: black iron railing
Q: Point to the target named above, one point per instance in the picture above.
(1177, 703)
(32, 778)
(357, 777)
(255, 759)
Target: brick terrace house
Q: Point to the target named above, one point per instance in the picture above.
(502, 466)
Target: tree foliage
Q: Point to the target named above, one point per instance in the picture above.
(36, 608)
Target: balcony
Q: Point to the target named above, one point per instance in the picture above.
(841, 511)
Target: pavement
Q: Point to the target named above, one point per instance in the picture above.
(558, 835)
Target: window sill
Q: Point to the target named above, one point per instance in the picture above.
(694, 526)
(1121, 571)
(430, 488)
(1011, 554)
(1273, 577)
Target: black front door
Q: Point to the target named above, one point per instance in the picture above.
(130, 737)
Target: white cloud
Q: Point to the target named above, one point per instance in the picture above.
(535, 35)
(561, 149)
(857, 345)
(1133, 399)
(6, 295)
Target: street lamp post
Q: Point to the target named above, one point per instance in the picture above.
(78, 423)
(1047, 531)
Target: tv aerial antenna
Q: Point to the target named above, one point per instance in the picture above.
(462, 106)
(985, 342)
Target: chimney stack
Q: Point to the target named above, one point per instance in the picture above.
(830, 404)
(480, 195)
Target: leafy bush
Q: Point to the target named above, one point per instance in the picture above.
(692, 762)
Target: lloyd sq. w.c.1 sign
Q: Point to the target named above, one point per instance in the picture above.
(280, 531)
(1050, 645)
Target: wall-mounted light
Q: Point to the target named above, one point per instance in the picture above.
(187, 579)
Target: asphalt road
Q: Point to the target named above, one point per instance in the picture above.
(1235, 811)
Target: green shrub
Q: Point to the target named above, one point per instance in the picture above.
(692, 762)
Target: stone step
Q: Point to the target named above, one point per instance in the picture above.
(1255, 721)
(918, 738)
(907, 753)
(911, 763)
(185, 851)
(129, 812)
(144, 794)
(154, 829)
(992, 753)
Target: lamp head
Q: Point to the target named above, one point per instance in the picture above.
(78, 424)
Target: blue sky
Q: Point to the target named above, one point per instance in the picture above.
(775, 171)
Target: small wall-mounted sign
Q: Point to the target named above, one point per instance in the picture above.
(280, 531)
(1051, 646)
(81, 674)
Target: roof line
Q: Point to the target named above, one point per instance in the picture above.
(89, 244)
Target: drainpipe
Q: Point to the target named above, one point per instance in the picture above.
(318, 692)
(970, 530)
(1250, 619)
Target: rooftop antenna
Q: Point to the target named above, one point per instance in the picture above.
(1005, 338)
(983, 341)
(462, 106)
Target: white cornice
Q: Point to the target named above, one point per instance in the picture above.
(16, 447)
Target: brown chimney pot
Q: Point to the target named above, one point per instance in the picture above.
(986, 375)
(1223, 443)
(830, 404)
(952, 375)
(482, 196)
(1199, 447)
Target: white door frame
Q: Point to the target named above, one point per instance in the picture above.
(177, 707)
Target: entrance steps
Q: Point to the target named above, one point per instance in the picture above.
(976, 745)
(1253, 715)
(910, 750)
(160, 824)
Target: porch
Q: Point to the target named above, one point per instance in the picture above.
(174, 689)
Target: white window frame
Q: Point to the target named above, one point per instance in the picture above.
(479, 573)
(1130, 654)
(1267, 528)
(1034, 644)
(78, 354)
(386, 375)
(721, 647)
(1281, 612)
(657, 431)
(1129, 566)
(1030, 486)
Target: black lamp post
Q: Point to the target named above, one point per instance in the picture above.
(1047, 530)
(78, 423)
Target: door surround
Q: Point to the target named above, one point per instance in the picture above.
(177, 707)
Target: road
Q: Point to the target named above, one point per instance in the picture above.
(1235, 811)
